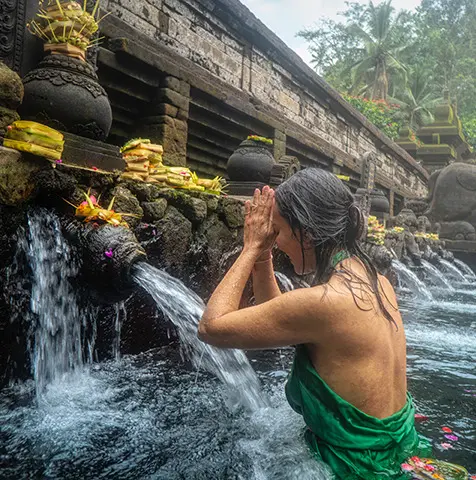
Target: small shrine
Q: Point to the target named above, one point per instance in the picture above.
(440, 143)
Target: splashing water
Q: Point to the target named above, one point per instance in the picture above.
(407, 277)
(453, 271)
(435, 275)
(119, 319)
(284, 281)
(58, 324)
(184, 308)
(466, 269)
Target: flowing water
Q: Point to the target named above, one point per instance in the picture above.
(159, 416)
(185, 309)
(57, 324)
(466, 269)
(453, 271)
(436, 276)
(411, 281)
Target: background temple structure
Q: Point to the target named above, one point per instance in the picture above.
(198, 77)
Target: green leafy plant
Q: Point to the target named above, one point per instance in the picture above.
(379, 112)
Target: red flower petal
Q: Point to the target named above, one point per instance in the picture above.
(446, 429)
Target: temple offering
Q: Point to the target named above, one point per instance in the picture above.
(144, 163)
(34, 138)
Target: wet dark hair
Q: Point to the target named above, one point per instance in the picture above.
(319, 207)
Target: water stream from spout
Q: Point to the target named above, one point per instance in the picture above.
(57, 323)
(436, 276)
(407, 277)
(453, 271)
(466, 269)
(184, 309)
(121, 316)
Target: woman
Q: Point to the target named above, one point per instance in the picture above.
(349, 374)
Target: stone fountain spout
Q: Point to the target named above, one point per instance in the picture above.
(107, 254)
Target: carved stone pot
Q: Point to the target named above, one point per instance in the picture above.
(379, 203)
(63, 92)
(250, 162)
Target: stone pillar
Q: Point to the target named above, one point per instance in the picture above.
(279, 144)
(166, 121)
(392, 203)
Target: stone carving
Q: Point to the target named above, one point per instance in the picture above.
(64, 93)
(452, 201)
(12, 28)
(424, 225)
(286, 167)
(11, 96)
(407, 220)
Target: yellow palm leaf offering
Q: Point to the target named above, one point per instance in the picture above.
(91, 211)
(375, 232)
(34, 138)
(425, 468)
(65, 22)
(144, 162)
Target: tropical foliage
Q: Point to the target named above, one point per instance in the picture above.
(405, 59)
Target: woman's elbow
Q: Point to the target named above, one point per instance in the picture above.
(208, 334)
(202, 331)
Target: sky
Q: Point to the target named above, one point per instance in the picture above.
(287, 17)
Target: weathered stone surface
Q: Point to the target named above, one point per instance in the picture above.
(154, 210)
(143, 191)
(7, 117)
(178, 85)
(212, 241)
(167, 95)
(11, 88)
(173, 137)
(168, 241)
(193, 208)
(212, 204)
(17, 175)
(126, 202)
(166, 109)
(231, 211)
(53, 183)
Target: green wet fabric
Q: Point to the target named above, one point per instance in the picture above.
(354, 444)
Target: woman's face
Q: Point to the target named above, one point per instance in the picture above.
(290, 244)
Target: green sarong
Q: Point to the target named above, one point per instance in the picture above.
(354, 444)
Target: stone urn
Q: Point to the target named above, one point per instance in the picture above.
(379, 203)
(252, 161)
(63, 92)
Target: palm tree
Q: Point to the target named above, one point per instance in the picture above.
(416, 99)
(381, 48)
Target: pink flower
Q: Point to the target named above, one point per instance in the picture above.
(453, 438)
(109, 253)
(420, 418)
(447, 446)
(407, 468)
(59, 160)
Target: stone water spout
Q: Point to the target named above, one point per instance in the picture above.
(108, 254)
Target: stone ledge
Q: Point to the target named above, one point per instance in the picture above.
(460, 245)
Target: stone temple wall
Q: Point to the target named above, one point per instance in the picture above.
(234, 66)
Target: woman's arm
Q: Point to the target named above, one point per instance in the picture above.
(287, 319)
(265, 286)
(292, 318)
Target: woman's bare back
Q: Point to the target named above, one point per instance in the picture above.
(362, 355)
